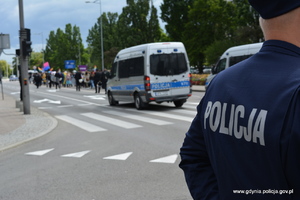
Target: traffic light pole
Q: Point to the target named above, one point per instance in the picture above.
(24, 63)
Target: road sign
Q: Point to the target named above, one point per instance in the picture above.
(70, 64)
(4, 41)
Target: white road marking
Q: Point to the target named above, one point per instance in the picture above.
(122, 156)
(171, 116)
(47, 100)
(98, 97)
(15, 93)
(39, 153)
(168, 159)
(112, 121)
(81, 124)
(188, 112)
(138, 118)
(87, 104)
(76, 155)
(65, 106)
(52, 90)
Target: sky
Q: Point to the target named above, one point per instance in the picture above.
(44, 16)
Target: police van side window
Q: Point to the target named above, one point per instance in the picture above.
(131, 67)
(236, 59)
(136, 66)
(113, 71)
(168, 64)
(123, 69)
(221, 65)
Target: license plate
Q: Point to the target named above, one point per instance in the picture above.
(161, 93)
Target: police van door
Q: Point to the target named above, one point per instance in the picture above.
(171, 73)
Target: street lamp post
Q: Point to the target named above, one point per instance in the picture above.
(101, 31)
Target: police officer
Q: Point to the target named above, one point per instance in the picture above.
(244, 142)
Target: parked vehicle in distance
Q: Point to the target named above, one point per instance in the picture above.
(233, 56)
(155, 72)
(13, 78)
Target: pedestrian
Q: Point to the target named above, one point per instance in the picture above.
(78, 79)
(104, 79)
(58, 78)
(86, 79)
(97, 81)
(244, 142)
(92, 80)
(37, 80)
(53, 79)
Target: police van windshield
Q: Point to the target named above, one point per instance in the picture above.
(168, 64)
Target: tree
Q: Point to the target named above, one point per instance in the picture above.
(63, 46)
(5, 68)
(210, 20)
(110, 37)
(138, 23)
(36, 59)
(248, 29)
(175, 14)
(245, 30)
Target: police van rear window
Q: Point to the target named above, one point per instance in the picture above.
(168, 64)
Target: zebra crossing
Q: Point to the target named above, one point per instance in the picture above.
(120, 118)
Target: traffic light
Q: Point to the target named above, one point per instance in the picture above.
(26, 43)
(26, 48)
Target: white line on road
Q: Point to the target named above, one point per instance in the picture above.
(112, 121)
(76, 155)
(171, 116)
(122, 156)
(168, 159)
(138, 118)
(81, 124)
(39, 153)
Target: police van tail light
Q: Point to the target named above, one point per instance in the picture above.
(147, 83)
(190, 76)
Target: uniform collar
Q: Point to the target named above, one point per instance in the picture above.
(281, 47)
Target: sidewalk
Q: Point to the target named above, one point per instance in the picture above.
(17, 128)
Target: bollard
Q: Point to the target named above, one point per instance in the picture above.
(18, 103)
(21, 106)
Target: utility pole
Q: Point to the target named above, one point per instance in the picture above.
(24, 47)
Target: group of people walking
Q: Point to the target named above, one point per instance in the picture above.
(94, 80)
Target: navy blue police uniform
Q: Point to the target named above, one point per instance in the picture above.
(244, 140)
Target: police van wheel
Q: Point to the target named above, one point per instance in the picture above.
(179, 103)
(139, 104)
(111, 100)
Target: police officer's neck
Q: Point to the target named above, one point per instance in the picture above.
(285, 27)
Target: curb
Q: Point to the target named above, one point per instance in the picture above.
(37, 124)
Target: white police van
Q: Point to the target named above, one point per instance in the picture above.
(154, 72)
(233, 56)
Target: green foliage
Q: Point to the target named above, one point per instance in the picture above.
(137, 24)
(202, 24)
(5, 69)
(36, 59)
(64, 45)
(215, 50)
(175, 14)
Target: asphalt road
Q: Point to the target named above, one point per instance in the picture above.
(98, 151)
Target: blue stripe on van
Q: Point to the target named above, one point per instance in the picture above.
(154, 86)
(168, 85)
(128, 87)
